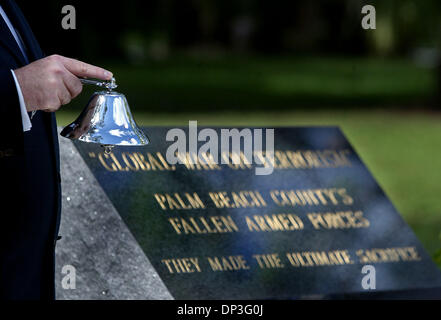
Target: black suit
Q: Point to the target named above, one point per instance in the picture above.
(30, 197)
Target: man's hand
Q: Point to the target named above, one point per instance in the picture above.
(51, 82)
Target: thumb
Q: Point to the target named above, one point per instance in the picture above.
(82, 69)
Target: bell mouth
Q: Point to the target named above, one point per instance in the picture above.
(106, 120)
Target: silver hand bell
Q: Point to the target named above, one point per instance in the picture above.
(106, 120)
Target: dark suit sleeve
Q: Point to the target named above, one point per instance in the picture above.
(11, 127)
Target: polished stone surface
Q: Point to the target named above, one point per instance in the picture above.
(133, 175)
(109, 262)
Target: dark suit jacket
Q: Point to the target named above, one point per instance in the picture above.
(29, 178)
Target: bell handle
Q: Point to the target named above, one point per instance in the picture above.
(106, 84)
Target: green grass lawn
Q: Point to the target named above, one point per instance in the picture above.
(401, 149)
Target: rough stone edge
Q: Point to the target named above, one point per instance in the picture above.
(108, 260)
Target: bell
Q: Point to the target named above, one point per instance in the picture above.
(106, 120)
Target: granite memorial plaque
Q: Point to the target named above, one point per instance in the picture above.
(309, 229)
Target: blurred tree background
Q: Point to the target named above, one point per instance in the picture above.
(269, 63)
(248, 54)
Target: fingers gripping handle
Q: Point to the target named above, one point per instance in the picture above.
(109, 85)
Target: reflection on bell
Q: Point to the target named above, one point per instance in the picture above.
(106, 120)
